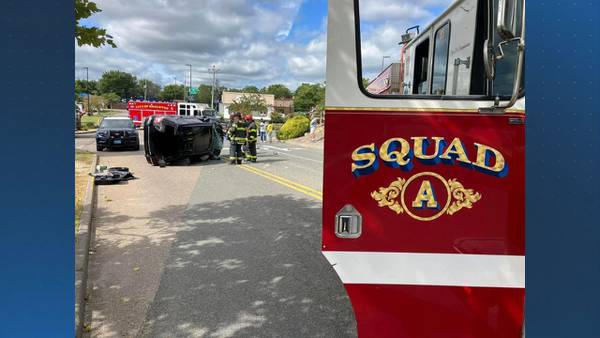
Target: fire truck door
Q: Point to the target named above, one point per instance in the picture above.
(423, 197)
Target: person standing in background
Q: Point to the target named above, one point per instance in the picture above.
(263, 131)
(270, 132)
(313, 127)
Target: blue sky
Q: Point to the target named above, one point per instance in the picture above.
(258, 42)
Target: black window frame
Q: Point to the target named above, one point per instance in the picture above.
(359, 74)
(446, 23)
(419, 68)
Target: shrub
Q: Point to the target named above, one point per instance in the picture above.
(294, 127)
(277, 117)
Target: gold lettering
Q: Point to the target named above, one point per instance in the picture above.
(483, 152)
(427, 195)
(361, 154)
(420, 152)
(395, 158)
(456, 148)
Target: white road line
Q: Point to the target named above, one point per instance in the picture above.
(295, 156)
(273, 147)
(303, 158)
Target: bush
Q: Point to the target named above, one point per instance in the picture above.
(277, 117)
(294, 127)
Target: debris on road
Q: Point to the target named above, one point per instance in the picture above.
(113, 175)
(168, 139)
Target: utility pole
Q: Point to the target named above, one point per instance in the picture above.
(145, 90)
(213, 70)
(87, 87)
(190, 90)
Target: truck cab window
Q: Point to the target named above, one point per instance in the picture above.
(505, 67)
(440, 60)
(421, 85)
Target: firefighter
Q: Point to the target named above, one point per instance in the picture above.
(237, 138)
(251, 135)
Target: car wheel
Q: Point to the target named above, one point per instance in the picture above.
(136, 148)
(99, 148)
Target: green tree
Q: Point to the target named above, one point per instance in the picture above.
(97, 103)
(277, 117)
(91, 36)
(204, 94)
(111, 98)
(249, 104)
(120, 83)
(151, 89)
(250, 89)
(365, 82)
(309, 96)
(172, 92)
(280, 91)
(81, 86)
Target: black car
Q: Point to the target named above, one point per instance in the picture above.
(117, 133)
(170, 138)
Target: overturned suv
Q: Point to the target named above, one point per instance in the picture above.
(117, 132)
(171, 138)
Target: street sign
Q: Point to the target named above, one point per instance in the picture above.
(193, 90)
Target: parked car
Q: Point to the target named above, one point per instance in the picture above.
(117, 132)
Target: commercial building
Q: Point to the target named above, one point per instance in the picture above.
(387, 82)
(284, 106)
(227, 98)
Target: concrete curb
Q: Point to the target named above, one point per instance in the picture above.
(82, 253)
(91, 131)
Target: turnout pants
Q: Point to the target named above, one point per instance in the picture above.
(235, 152)
(251, 154)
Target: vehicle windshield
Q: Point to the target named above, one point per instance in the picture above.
(120, 123)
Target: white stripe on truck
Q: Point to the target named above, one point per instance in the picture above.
(398, 268)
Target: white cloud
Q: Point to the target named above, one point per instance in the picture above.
(384, 21)
(247, 40)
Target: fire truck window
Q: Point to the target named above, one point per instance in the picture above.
(440, 60)
(396, 46)
(505, 67)
(421, 85)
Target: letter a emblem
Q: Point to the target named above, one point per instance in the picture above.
(426, 195)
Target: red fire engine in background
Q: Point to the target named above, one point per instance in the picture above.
(138, 110)
(423, 208)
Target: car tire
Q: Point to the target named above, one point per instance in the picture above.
(136, 148)
(99, 148)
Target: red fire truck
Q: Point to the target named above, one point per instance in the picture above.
(138, 110)
(423, 209)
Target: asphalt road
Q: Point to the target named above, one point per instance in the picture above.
(215, 250)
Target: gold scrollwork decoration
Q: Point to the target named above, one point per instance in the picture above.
(459, 197)
(387, 196)
(462, 197)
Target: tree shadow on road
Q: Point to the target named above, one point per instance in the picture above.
(249, 267)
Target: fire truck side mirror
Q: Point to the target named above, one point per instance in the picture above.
(507, 19)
